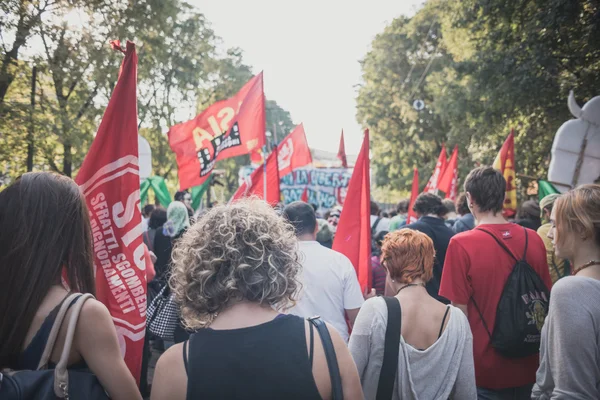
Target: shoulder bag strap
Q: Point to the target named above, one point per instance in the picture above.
(60, 316)
(502, 244)
(389, 367)
(334, 370)
(61, 375)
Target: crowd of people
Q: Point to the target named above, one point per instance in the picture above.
(465, 303)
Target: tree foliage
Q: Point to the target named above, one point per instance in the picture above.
(182, 68)
(481, 67)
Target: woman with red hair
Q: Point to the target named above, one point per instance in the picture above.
(435, 356)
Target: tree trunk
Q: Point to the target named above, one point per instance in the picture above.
(67, 160)
(23, 30)
(30, 132)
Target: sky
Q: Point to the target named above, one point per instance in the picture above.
(309, 51)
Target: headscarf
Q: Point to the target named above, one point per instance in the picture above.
(177, 219)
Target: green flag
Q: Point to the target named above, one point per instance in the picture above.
(159, 186)
(545, 188)
(198, 192)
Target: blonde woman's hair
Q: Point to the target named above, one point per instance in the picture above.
(241, 251)
(578, 213)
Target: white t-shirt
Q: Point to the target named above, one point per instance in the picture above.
(383, 225)
(330, 286)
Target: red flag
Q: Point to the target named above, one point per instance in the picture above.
(353, 235)
(440, 167)
(293, 151)
(226, 129)
(413, 197)
(304, 197)
(342, 152)
(255, 184)
(109, 180)
(505, 162)
(448, 183)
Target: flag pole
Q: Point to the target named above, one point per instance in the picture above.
(265, 172)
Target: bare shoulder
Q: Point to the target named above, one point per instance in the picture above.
(170, 376)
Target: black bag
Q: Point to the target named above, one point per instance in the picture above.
(389, 367)
(332, 364)
(521, 311)
(59, 383)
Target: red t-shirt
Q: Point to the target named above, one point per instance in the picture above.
(477, 266)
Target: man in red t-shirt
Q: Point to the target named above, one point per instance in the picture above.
(476, 267)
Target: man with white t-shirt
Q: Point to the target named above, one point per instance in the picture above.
(330, 286)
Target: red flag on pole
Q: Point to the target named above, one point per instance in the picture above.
(353, 235)
(109, 179)
(226, 129)
(440, 167)
(293, 151)
(448, 183)
(505, 162)
(342, 152)
(255, 183)
(413, 197)
(256, 157)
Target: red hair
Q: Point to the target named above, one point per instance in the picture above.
(408, 255)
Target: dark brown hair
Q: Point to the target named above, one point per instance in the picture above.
(402, 207)
(462, 205)
(45, 230)
(487, 188)
(429, 203)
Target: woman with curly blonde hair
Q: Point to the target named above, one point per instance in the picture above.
(234, 271)
(435, 353)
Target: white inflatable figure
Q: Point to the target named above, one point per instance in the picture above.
(144, 158)
(576, 147)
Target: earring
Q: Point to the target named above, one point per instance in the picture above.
(471, 205)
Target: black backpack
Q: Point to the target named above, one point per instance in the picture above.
(521, 311)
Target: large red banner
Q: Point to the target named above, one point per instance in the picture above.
(293, 152)
(226, 129)
(109, 179)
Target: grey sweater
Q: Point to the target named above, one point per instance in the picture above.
(444, 370)
(570, 348)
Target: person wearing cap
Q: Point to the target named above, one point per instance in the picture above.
(559, 267)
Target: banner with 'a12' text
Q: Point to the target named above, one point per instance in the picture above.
(226, 129)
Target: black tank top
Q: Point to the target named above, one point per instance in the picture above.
(267, 361)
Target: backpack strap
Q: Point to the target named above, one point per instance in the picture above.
(503, 245)
(481, 316)
(334, 370)
(389, 367)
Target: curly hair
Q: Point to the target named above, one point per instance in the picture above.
(241, 251)
(408, 255)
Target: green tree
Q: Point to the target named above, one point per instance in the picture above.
(495, 65)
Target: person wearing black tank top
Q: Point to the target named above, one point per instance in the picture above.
(234, 271)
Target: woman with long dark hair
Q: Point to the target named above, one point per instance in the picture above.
(45, 230)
